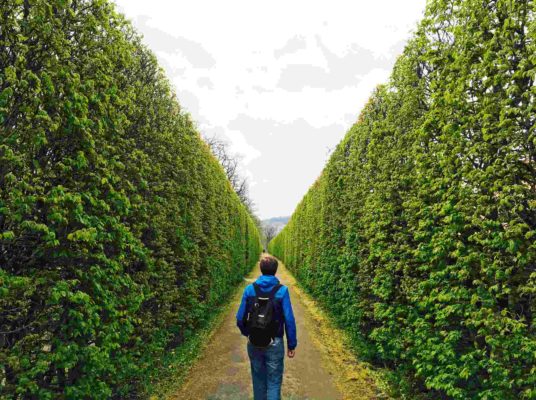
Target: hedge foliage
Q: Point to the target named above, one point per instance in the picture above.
(118, 228)
(420, 234)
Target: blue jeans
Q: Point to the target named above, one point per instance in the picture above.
(267, 370)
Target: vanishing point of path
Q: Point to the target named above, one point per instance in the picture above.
(321, 370)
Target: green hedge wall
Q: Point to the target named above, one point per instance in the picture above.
(118, 228)
(420, 234)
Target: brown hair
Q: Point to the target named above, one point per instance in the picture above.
(268, 266)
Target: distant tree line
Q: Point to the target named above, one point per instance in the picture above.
(119, 230)
(420, 234)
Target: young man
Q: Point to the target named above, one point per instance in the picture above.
(267, 362)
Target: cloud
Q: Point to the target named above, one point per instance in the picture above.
(237, 144)
(262, 132)
(396, 49)
(172, 70)
(242, 147)
(293, 154)
(351, 118)
(339, 72)
(292, 46)
(205, 82)
(296, 77)
(159, 40)
(189, 102)
(282, 97)
(260, 89)
(356, 61)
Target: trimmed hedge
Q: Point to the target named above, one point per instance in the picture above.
(118, 228)
(419, 235)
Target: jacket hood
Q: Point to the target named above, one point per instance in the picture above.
(267, 282)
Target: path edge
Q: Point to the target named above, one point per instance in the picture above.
(166, 386)
(355, 379)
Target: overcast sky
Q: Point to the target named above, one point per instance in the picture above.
(281, 81)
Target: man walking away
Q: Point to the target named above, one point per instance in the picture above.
(265, 313)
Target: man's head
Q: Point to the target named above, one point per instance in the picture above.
(268, 266)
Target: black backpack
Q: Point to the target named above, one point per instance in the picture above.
(262, 316)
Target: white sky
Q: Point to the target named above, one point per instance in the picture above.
(281, 81)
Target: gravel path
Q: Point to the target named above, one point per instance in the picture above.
(322, 369)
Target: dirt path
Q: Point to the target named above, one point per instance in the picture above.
(322, 368)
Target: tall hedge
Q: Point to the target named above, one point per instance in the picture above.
(420, 234)
(118, 228)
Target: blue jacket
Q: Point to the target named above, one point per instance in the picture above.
(266, 283)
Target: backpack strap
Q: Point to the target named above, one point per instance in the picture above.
(274, 290)
(258, 292)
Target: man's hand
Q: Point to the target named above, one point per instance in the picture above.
(291, 353)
